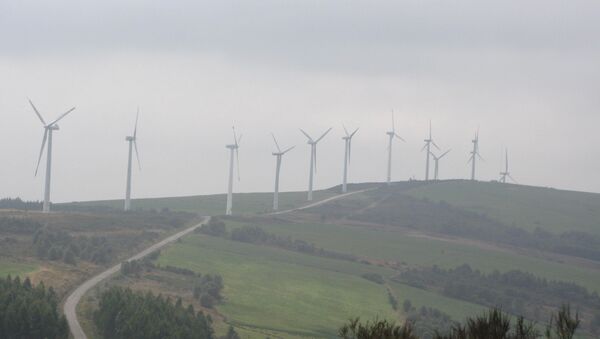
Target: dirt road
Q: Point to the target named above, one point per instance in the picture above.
(79, 292)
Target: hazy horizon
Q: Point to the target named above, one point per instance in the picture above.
(526, 74)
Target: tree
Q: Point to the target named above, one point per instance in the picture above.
(378, 329)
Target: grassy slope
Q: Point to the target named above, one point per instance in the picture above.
(283, 291)
(243, 203)
(525, 206)
(14, 269)
(392, 245)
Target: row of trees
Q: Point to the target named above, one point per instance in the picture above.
(206, 287)
(256, 235)
(28, 311)
(124, 314)
(493, 324)
(515, 291)
(399, 209)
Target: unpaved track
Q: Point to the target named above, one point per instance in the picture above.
(324, 201)
(77, 294)
(74, 298)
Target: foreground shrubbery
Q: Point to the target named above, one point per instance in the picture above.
(28, 311)
(494, 324)
(124, 314)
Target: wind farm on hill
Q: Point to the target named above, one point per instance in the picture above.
(450, 190)
(234, 166)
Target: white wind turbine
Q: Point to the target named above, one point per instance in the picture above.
(233, 148)
(474, 154)
(279, 154)
(313, 160)
(391, 134)
(48, 129)
(436, 160)
(506, 173)
(427, 148)
(347, 152)
(132, 140)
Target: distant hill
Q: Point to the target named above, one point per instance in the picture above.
(527, 207)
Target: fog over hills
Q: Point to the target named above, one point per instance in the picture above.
(525, 73)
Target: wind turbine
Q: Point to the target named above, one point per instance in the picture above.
(474, 154)
(279, 154)
(313, 160)
(436, 160)
(347, 152)
(506, 173)
(391, 134)
(132, 140)
(233, 148)
(48, 129)
(427, 147)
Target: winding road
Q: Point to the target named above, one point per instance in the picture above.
(73, 299)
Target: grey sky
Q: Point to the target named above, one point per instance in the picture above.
(527, 73)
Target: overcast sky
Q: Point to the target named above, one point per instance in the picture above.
(527, 73)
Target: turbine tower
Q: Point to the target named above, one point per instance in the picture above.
(233, 148)
(506, 173)
(391, 134)
(474, 155)
(347, 152)
(427, 148)
(48, 129)
(436, 167)
(132, 140)
(313, 160)
(279, 154)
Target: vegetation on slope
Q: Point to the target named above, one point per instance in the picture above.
(28, 311)
(124, 314)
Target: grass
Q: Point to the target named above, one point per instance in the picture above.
(243, 203)
(268, 289)
(524, 206)
(421, 251)
(15, 269)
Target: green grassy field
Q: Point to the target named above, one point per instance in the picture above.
(421, 251)
(15, 269)
(243, 203)
(524, 206)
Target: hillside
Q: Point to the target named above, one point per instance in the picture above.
(370, 254)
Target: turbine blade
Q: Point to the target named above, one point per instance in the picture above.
(345, 130)
(513, 179)
(287, 150)
(36, 112)
(435, 145)
(399, 137)
(424, 147)
(393, 123)
(470, 159)
(351, 135)
(235, 139)
(480, 157)
(136, 123)
(41, 150)
(324, 134)
(62, 116)
(441, 156)
(506, 160)
(308, 136)
(276, 144)
(430, 130)
(137, 154)
(239, 140)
